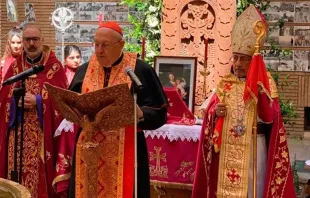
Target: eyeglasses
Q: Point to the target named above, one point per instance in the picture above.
(17, 28)
(105, 45)
(29, 39)
(242, 59)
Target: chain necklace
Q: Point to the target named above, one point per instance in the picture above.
(239, 128)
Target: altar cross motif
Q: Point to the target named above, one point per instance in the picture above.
(158, 170)
(196, 26)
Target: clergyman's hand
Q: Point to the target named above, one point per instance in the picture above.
(220, 109)
(30, 101)
(139, 113)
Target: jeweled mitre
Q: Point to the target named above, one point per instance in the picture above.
(243, 36)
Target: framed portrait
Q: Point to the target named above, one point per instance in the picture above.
(11, 10)
(178, 72)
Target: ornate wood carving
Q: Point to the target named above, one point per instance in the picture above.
(185, 26)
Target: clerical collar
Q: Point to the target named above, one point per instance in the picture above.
(35, 60)
(242, 79)
(119, 60)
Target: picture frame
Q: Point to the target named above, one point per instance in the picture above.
(178, 72)
(11, 10)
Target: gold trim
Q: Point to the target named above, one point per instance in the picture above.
(42, 150)
(216, 148)
(47, 50)
(264, 90)
(121, 153)
(260, 30)
(78, 174)
(235, 151)
(171, 185)
(112, 138)
(276, 183)
(60, 178)
(273, 86)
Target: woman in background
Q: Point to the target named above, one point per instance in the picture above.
(13, 50)
(72, 60)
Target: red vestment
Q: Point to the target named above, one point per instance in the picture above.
(5, 64)
(279, 179)
(40, 148)
(70, 72)
(114, 174)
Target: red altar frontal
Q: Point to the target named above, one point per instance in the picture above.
(172, 155)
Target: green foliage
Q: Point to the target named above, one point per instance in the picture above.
(287, 108)
(295, 176)
(243, 4)
(288, 112)
(148, 24)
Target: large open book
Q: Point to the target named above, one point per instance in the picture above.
(104, 109)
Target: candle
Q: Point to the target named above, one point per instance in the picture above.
(100, 17)
(143, 48)
(206, 50)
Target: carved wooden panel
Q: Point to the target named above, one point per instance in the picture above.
(185, 27)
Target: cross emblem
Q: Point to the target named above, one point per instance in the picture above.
(158, 170)
(232, 131)
(233, 176)
(227, 86)
(197, 25)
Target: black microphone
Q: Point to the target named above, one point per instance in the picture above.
(24, 75)
(133, 77)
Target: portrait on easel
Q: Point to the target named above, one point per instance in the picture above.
(178, 72)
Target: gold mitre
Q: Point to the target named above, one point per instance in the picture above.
(243, 35)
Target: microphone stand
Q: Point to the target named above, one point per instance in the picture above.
(18, 93)
(135, 141)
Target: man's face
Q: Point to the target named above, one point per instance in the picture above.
(32, 42)
(108, 46)
(241, 64)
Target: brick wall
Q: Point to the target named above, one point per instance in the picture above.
(43, 12)
(298, 92)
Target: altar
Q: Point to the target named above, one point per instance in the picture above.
(172, 157)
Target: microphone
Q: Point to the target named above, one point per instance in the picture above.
(24, 75)
(133, 77)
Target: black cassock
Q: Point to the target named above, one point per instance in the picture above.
(152, 101)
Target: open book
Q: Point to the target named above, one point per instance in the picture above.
(104, 109)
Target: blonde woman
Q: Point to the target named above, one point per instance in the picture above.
(13, 50)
